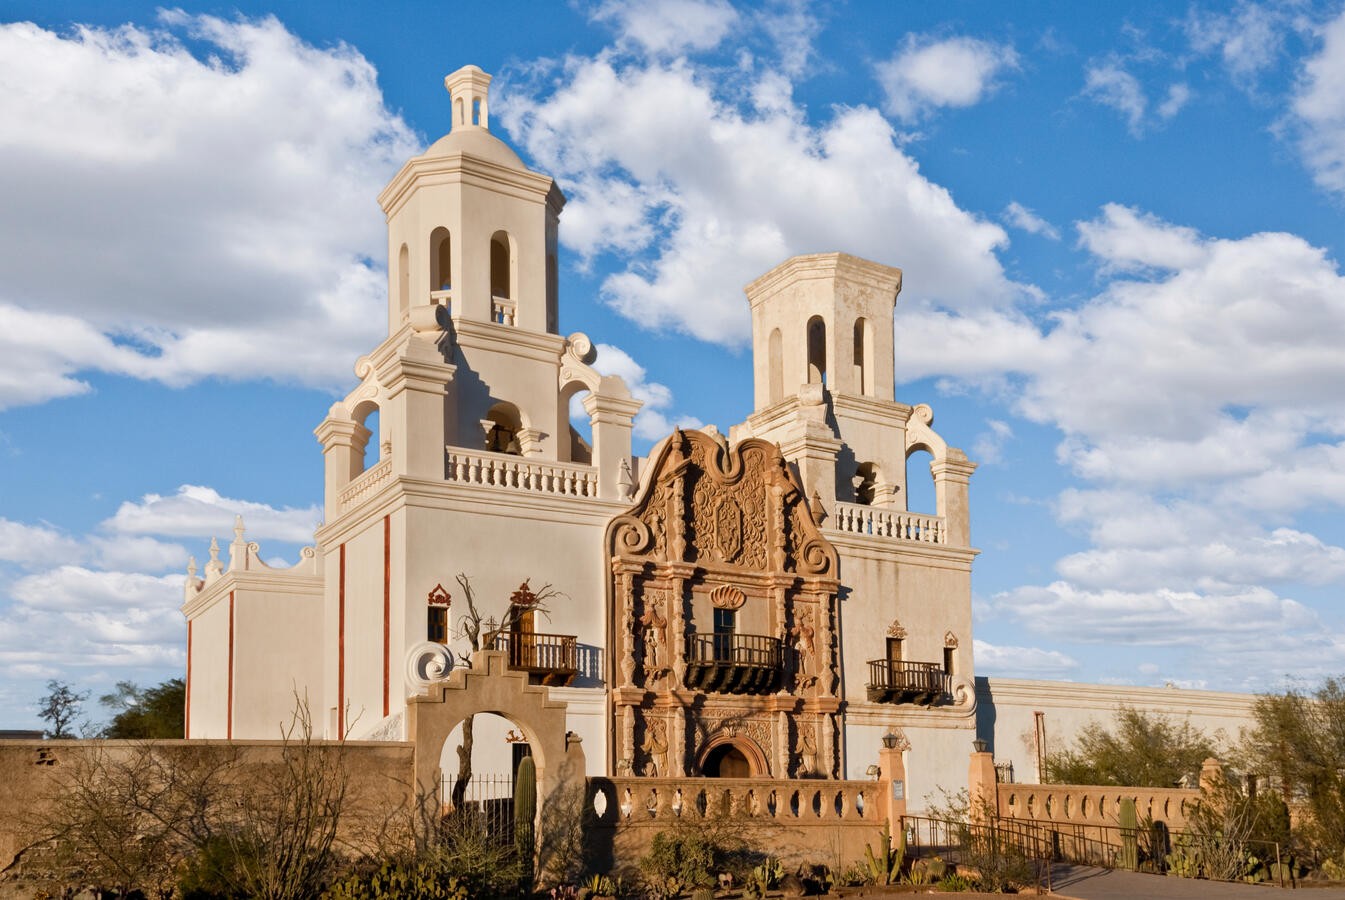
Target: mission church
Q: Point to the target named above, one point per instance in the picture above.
(760, 604)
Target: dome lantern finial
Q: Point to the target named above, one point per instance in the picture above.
(469, 88)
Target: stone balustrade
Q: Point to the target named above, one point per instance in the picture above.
(665, 801)
(366, 484)
(502, 470)
(801, 821)
(877, 521)
(1094, 804)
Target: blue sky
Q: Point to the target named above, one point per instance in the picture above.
(1120, 227)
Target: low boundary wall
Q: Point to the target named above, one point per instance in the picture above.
(798, 821)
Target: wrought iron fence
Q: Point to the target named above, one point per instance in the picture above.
(482, 802)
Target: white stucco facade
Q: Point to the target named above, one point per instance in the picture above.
(859, 607)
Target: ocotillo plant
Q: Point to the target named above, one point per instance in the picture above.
(525, 814)
(1129, 823)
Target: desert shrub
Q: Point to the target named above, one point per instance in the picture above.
(678, 860)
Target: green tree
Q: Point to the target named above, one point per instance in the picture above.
(61, 707)
(1137, 750)
(146, 713)
(1299, 738)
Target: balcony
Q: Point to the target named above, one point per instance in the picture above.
(896, 681)
(550, 659)
(733, 663)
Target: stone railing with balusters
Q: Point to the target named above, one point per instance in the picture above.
(502, 310)
(502, 470)
(366, 484)
(841, 816)
(668, 800)
(1084, 804)
(877, 521)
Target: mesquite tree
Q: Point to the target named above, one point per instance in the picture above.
(482, 634)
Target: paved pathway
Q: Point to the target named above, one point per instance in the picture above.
(1087, 883)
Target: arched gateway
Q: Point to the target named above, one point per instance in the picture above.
(489, 686)
(722, 603)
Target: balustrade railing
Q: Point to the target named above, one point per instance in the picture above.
(898, 681)
(733, 663)
(366, 484)
(505, 470)
(1094, 804)
(877, 521)
(662, 801)
(552, 657)
(502, 310)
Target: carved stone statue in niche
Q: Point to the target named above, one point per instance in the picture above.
(655, 747)
(655, 626)
(807, 751)
(805, 641)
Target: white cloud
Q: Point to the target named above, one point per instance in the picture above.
(652, 422)
(1019, 216)
(1248, 39)
(1319, 108)
(1160, 617)
(1022, 662)
(1178, 96)
(250, 164)
(926, 74)
(197, 511)
(663, 161)
(668, 26)
(989, 445)
(1111, 85)
(36, 545)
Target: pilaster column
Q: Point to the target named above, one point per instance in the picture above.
(343, 442)
(952, 480)
(610, 414)
(416, 380)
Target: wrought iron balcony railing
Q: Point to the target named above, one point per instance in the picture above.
(547, 658)
(897, 681)
(733, 663)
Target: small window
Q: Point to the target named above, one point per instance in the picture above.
(948, 660)
(436, 628)
(817, 351)
(726, 620)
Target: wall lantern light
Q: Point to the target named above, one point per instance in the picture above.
(890, 741)
(978, 745)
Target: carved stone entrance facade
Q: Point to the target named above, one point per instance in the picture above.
(723, 594)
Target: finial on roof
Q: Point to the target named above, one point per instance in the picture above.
(238, 527)
(214, 568)
(191, 567)
(469, 88)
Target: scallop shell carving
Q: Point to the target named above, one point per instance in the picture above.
(726, 596)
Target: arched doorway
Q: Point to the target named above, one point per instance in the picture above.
(733, 757)
(727, 761)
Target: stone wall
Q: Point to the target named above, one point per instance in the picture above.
(31, 773)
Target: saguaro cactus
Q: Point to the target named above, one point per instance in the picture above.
(525, 814)
(1129, 823)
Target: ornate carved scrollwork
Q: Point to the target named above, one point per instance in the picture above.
(726, 596)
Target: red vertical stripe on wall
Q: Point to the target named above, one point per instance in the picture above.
(186, 715)
(341, 648)
(387, 603)
(229, 726)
